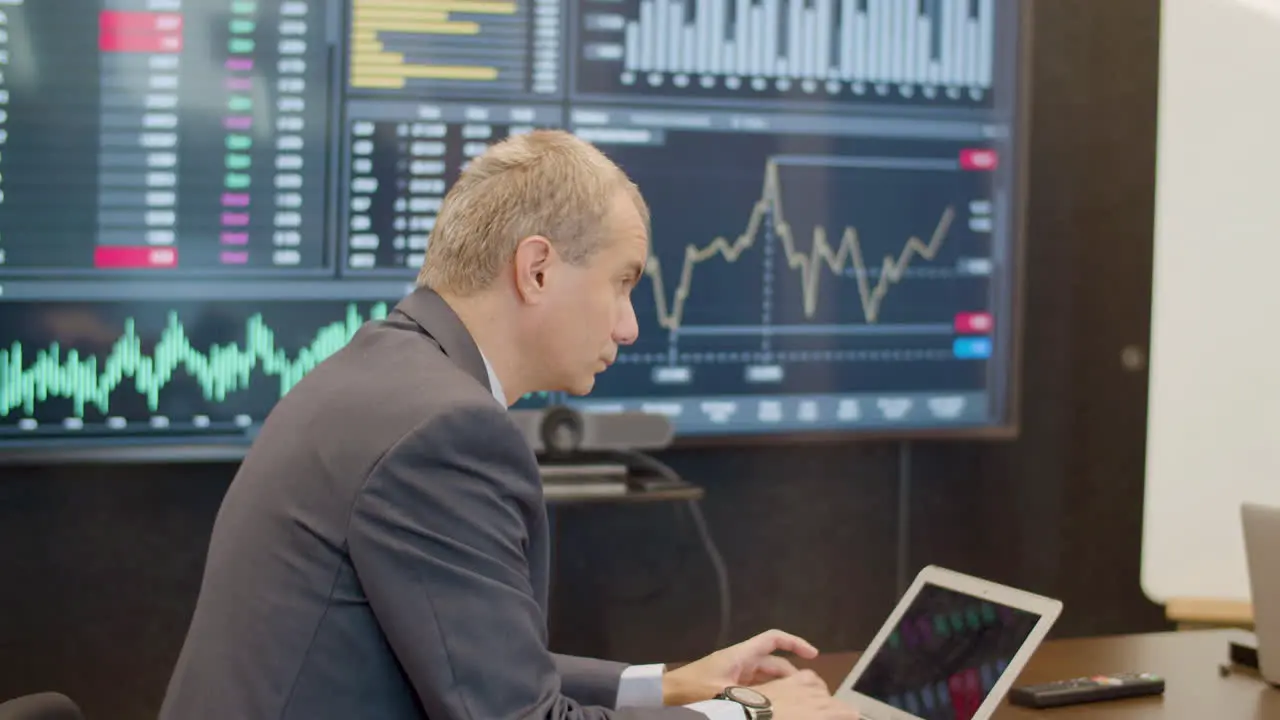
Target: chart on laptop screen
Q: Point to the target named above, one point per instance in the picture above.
(946, 653)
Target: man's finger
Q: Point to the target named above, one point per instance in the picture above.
(812, 679)
(772, 666)
(773, 640)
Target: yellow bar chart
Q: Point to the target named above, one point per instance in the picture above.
(397, 42)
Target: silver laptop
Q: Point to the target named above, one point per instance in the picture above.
(950, 650)
(1262, 551)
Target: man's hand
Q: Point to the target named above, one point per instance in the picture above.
(804, 696)
(748, 663)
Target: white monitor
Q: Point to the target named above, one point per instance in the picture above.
(950, 650)
(1262, 549)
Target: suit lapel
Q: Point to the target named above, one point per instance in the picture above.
(425, 307)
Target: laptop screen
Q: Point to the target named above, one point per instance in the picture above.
(945, 655)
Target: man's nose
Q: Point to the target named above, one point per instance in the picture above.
(628, 329)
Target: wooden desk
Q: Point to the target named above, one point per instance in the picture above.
(1192, 613)
(1187, 660)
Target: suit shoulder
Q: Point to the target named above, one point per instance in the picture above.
(389, 373)
(386, 384)
(465, 425)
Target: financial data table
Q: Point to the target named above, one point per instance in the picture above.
(184, 143)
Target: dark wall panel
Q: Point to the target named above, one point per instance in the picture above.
(1111, 220)
(100, 565)
(99, 568)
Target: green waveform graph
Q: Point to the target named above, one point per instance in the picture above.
(219, 371)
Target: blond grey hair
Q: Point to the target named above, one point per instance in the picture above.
(546, 182)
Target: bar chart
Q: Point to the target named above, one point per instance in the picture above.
(939, 50)
(490, 46)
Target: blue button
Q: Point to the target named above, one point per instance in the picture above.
(972, 347)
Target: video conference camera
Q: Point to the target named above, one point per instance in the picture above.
(562, 431)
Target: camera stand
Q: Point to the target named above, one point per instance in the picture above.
(568, 481)
(611, 477)
(599, 456)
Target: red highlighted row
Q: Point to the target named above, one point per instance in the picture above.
(975, 323)
(139, 23)
(134, 257)
(139, 32)
(979, 159)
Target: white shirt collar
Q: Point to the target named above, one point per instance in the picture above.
(494, 384)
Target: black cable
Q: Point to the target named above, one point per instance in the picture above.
(904, 515)
(666, 472)
(721, 571)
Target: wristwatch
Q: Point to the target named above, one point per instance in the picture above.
(756, 705)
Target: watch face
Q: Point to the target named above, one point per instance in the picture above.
(747, 696)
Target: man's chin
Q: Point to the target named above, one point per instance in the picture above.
(583, 386)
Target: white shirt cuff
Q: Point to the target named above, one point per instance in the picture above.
(719, 709)
(641, 686)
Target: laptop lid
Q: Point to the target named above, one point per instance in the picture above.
(1262, 550)
(950, 650)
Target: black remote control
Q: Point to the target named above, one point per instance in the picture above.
(1087, 689)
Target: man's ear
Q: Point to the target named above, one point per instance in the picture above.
(533, 259)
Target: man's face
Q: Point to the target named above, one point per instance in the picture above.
(588, 312)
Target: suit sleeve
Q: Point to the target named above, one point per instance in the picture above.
(438, 538)
(588, 680)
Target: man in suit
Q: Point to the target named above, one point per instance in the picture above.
(383, 550)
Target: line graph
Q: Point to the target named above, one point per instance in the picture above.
(798, 275)
(821, 254)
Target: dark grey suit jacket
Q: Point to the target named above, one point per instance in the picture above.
(383, 552)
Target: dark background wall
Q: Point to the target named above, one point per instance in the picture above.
(100, 565)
